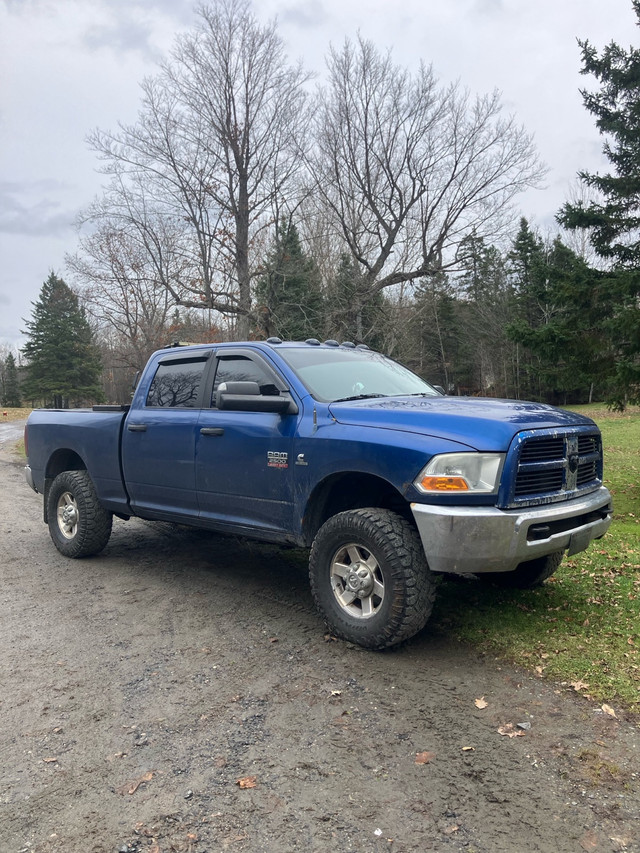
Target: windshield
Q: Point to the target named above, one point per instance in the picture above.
(350, 374)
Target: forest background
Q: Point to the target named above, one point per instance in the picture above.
(378, 208)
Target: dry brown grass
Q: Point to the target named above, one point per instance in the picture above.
(9, 414)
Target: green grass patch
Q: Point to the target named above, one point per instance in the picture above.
(583, 626)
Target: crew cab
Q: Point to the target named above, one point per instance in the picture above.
(335, 448)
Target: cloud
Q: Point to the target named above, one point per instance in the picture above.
(307, 15)
(123, 34)
(115, 26)
(488, 7)
(44, 218)
(128, 26)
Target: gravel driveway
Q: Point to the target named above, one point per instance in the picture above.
(178, 693)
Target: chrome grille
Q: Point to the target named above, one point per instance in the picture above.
(556, 467)
(543, 450)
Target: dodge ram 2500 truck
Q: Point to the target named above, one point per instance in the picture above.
(337, 448)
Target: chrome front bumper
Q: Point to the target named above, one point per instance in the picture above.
(485, 539)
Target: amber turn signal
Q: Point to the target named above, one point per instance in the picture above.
(444, 484)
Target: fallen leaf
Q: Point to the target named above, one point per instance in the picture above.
(49, 760)
(336, 692)
(579, 685)
(468, 749)
(451, 829)
(589, 841)
(609, 710)
(621, 841)
(132, 787)
(247, 782)
(481, 703)
(508, 730)
(424, 757)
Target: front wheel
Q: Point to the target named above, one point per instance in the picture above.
(527, 575)
(370, 579)
(79, 526)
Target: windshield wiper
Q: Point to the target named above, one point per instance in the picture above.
(358, 397)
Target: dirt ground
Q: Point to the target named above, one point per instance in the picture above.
(179, 693)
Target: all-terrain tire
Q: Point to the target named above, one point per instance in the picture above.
(527, 575)
(79, 526)
(370, 578)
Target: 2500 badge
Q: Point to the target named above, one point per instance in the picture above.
(277, 459)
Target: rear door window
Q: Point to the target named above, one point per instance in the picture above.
(177, 384)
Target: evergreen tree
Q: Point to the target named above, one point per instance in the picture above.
(613, 220)
(63, 361)
(528, 271)
(10, 383)
(486, 308)
(354, 311)
(288, 296)
(559, 321)
(440, 351)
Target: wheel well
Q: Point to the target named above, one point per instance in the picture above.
(61, 460)
(64, 460)
(350, 490)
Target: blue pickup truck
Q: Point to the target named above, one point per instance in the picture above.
(335, 448)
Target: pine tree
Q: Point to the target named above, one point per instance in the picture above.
(354, 312)
(560, 316)
(10, 383)
(288, 296)
(486, 307)
(613, 220)
(63, 363)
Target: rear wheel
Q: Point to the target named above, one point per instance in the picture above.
(527, 575)
(79, 526)
(370, 579)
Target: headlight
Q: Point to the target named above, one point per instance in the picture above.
(461, 472)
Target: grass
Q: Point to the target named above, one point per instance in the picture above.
(583, 626)
(13, 414)
(9, 414)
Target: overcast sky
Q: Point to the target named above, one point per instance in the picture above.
(69, 66)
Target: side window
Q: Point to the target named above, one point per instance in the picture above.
(240, 368)
(176, 384)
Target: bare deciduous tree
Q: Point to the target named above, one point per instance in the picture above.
(407, 168)
(215, 148)
(121, 293)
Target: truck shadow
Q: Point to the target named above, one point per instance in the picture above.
(245, 572)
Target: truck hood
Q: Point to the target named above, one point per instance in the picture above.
(482, 423)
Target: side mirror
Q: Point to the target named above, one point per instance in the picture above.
(246, 397)
(440, 389)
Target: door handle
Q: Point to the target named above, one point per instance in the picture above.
(137, 427)
(211, 431)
